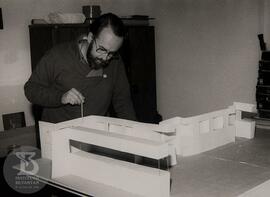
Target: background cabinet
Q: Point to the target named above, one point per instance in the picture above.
(263, 82)
(138, 53)
(263, 88)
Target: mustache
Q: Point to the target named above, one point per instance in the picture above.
(101, 61)
(97, 63)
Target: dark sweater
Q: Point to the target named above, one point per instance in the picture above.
(61, 69)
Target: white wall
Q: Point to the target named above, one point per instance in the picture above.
(206, 50)
(207, 53)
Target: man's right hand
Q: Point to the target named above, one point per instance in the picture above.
(73, 97)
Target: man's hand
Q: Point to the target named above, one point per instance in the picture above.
(73, 97)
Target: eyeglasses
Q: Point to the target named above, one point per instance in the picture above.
(102, 51)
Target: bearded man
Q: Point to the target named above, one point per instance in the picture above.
(87, 71)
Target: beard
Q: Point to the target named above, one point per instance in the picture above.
(95, 62)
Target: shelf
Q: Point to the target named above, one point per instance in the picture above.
(262, 86)
(265, 61)
(264, 110)
(267, 71)
(262, 94)
(60, 24)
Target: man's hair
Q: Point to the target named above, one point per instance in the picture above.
(108, 20)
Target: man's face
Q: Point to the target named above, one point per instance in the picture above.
(102, 48)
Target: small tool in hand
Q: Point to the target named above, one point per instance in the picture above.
(82, 109)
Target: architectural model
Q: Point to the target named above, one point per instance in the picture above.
(176, 136)
(145, 140)
(210, 130)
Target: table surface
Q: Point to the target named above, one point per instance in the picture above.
(226, 171)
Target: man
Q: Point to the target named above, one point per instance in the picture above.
(85, 74)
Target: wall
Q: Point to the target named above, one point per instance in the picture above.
(206, 50)
(207, 54)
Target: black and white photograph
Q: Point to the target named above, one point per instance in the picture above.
(135, 98)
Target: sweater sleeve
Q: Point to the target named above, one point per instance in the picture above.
(121, 95)
(40, 89)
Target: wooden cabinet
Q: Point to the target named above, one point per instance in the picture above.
(138, 53)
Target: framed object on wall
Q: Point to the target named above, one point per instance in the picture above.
(13, 120)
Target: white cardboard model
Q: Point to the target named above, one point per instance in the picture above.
(130, 177)
(210, 130)
(244, 127)
(193, 135)
(181, 136)
(153, 132)
(148, 140)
